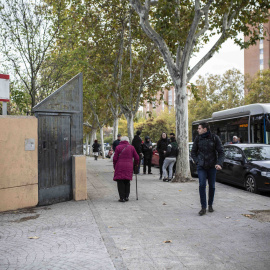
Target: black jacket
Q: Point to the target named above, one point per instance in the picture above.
(96, 147)
(172, 150)
(162, 146)
(115, 143)
(207, 150)
(137, 143)
(147, 152)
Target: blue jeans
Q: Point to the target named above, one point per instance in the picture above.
(204, 174)
(168, 162)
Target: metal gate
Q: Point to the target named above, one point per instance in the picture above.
(54, 149)
(60, 136)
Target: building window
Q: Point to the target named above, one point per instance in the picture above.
(261, 61)
(162, 105)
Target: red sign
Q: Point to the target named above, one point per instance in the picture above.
(4, 87)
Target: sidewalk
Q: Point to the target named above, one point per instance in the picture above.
(165, 211)
(102, 233)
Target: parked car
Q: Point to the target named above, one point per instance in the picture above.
(247, 165)
(193, 168)
(107, 148)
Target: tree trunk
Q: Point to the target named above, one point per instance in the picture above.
(115, 128)
(181, 115)
(130, 126)
(87, 144)
(102, 142)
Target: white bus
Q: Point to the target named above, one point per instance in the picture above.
(251, 123)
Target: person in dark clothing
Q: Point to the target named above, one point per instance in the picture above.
(172, 135)
(96, 149)
(161, 148)
(208, 154)
(147, 154)
(116, 142)
(170, 159)
(137, 143)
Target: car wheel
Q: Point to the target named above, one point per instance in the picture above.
(250, 184)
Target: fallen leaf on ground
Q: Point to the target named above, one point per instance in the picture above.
(168, 241)
(164, 204)
(33, 237)
(110, 227)
(180, 189)
(228, 217)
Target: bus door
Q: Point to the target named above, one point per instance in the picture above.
(257, 129)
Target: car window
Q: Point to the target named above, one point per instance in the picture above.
(232, 153)
(257, 153)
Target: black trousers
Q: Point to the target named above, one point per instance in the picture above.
(123, 188)
(161, 161)
(147, 162)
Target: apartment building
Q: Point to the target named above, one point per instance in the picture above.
(159, 106)
(257, 57)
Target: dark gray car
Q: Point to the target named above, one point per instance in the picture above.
(247, 165)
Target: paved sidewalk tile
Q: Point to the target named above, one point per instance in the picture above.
(161, 230)
(60, 236)
(139, 229)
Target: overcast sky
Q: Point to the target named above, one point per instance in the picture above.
(230, 56)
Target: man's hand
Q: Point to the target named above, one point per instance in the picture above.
(218, 167)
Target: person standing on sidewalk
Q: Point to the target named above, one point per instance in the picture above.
(147, 154)
(123, 167)
(96, 149)
(208, 154)
(161, 148)
(116, 142)
(137, 143)
(170, 159)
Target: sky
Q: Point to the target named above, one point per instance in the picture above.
(230, 56)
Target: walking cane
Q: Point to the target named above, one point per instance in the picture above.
(136, 187)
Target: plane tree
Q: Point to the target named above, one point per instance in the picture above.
(180, 28)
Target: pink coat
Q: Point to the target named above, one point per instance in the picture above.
(123, 165)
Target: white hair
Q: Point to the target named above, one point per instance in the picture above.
(124, 138)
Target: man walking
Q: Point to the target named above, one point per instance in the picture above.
(137, 143)
(207, 152)
(147, 154)
(116, 142)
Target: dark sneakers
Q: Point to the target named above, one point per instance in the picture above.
(150, 173)
(160, 178)
(121, 200)
(126, 199)
(202, 212)
(210, 208)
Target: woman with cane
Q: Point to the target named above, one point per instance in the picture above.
(123, 167)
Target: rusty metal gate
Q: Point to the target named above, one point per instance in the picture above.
(59, 137)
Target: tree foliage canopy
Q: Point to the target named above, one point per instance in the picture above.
(258, 88)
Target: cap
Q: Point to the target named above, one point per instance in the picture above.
(119, 135)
